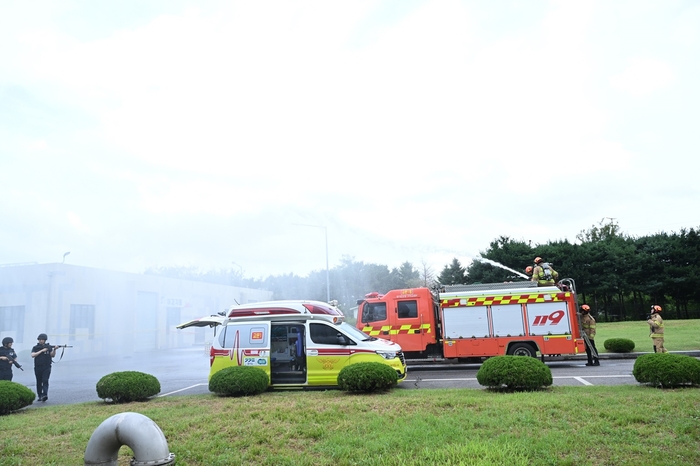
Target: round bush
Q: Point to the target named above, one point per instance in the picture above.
(514, 373)
(667, 370)
(14, 396)
(239, 381)
(618, 345)
(367, 377)
(123, 387)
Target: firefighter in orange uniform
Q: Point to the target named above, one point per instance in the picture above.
(588, 326)
(544, 274)
(656, 327)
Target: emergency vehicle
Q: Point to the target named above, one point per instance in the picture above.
(297, 343)
(471, 322)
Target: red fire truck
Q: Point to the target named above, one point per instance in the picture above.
(471, 322)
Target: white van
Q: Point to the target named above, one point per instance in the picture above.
(297, 343)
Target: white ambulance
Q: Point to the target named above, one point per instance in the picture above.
(297, 343)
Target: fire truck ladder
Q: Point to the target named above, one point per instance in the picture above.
(569, 282)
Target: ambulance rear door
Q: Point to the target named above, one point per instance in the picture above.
(210, 321)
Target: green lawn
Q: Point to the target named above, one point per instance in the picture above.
(680, 335)
(621, 425)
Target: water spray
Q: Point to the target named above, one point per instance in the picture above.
(489, 261)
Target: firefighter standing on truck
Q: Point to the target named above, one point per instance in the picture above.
(544, 274)
(656, 329)
(588, 325)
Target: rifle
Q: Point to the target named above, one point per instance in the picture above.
(14, 361)
(52, 348)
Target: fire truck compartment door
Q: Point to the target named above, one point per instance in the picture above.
(465, 322)
(508, 319)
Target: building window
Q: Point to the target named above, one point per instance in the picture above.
(12, 321)
(82, 321)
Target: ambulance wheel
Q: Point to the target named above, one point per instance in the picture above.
(522, 349)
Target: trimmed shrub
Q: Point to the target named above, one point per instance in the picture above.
(367, 377)
(514, 373)
(123, 387)
(239, 381)
(667, 370)
(618, 345)
(14, 396)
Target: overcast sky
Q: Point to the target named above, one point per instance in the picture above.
(175, 133)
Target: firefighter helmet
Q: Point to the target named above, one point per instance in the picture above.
(585, 308)
(7, 340)
(655, 308)
(528, 270)
(538, 260)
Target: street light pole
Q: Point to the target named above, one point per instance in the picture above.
(64, 257)
(240, 267)
(328, 282)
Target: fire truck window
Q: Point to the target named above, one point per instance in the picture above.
(374, 312)
(323, 334)
(408, 309)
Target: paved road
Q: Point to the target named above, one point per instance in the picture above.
(74, 381)
(565, 373)
(185, 371)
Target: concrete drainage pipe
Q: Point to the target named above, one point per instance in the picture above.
(134, 430)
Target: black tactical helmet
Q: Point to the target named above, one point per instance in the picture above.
(7, 340)
(42, 336)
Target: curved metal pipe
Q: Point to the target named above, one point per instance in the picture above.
(134, 430)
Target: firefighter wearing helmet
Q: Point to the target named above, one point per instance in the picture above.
(588, 326)
(543, 273)
(656, 329)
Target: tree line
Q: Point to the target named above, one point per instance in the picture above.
(618, 275)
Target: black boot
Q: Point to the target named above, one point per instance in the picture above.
(654, 349)
(596, 363)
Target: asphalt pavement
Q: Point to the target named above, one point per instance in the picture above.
(184, 371)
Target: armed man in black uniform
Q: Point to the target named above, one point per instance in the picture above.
(43, 354)
(8, 357)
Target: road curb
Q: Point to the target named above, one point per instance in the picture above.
(694, 354)
(415, 364)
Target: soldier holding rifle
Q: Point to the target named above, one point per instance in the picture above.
(43, 354)
(8, 357)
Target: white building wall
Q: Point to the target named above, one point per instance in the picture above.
(131, 313)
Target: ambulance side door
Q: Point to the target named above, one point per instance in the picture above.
(243, 344)
(327, 351)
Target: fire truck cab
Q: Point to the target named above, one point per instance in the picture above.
(476, 321)
(297, 343)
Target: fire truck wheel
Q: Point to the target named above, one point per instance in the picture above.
(522, 349)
